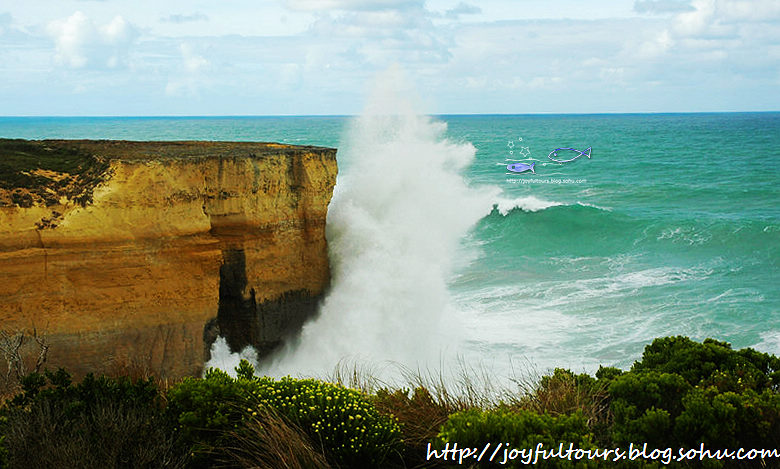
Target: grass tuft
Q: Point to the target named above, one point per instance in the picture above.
(268, 440)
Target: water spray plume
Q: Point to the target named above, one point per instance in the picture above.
(399, 211)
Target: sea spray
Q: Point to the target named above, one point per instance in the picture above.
(224, 359)
(399, 210)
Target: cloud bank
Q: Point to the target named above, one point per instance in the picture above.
(314, 57)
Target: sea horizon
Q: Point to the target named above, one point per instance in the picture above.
(447, 114)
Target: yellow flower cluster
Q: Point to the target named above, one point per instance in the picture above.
(342, 419)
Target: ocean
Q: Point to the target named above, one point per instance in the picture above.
(442, 255)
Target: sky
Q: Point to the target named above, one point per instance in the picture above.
(309, 57)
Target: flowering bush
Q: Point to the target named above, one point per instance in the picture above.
(340, 420)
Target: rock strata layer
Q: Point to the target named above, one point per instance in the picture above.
(139, 254)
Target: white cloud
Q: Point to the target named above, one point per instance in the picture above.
(543, 82)
(181, 18)
(375, 39)
(193, 62)
(614, 75)
(750, 10)
(291, 76)
(187, 80)
(697, 22)
(350, 5)
(5, 22)
(655, 47)
(662, 6)
(80, 42)
(467, 56)
(715, 31)
(462, 9)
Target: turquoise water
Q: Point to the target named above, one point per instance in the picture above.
(675, 230)
(671, 227)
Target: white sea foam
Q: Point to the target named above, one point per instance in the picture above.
(535, 204)
(527, 204)
(686, 234)
(598, 207)
(770, 343)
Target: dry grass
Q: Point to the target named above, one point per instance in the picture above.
(562, 393)
(268, 441)
(421, 400)
(424, 400)
(139, 369)
(563, 397)
(358, 375)
(109, 435)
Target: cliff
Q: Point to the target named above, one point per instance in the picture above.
(141, 253)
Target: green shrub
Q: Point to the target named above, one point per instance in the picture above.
(684, 393)
(204, 409)
(730, 420)
(711, 362)
(340, 420)
(607, 374)
(475, 428)
(3, 451)
(100, 422)
(81, 172)
(644, 406)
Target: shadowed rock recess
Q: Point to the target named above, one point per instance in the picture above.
(139, 254)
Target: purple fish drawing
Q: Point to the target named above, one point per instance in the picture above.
(521, 167)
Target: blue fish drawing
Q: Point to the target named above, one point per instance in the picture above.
(521, 167)
(578, 152)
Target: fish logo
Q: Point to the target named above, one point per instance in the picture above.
(521, 167)
(578, 152)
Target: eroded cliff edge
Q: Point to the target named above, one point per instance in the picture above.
(140, 253)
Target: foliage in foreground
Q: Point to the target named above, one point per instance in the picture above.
(681, 393)
(516, 429)
(100, 422)
(341, 422)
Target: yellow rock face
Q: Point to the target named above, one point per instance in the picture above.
(182, 241)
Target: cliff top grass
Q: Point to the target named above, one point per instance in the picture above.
(130, 150)
(41, 172)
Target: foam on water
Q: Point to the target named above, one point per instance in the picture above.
(526, 204)
(770, 342)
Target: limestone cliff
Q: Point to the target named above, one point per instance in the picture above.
(142, 252)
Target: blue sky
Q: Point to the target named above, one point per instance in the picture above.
(272, 57)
